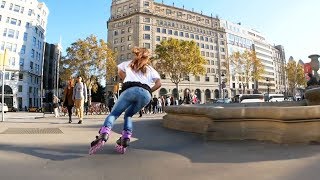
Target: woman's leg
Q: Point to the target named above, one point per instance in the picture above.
(124, 101)
(143, 97)
(69, 113)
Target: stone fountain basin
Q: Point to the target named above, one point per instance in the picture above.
(280, 122)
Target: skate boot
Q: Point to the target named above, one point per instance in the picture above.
(100, 140)
(123, 142)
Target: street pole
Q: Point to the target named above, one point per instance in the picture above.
(3, 63)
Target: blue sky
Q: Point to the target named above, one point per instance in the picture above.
(292, 23)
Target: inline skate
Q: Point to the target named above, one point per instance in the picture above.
(100, 140)
(123, 142)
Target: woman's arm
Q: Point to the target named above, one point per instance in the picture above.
(157, 85)
(121, 74)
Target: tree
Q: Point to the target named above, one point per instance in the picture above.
(178, 59)
(90, 58)
(246, 66)
(295, 73)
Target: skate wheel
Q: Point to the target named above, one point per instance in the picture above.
(120, 149)
(96, 147)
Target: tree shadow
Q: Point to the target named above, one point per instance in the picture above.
(153, 136)
(149, 134)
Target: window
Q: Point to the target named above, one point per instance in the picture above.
(197, 78)
(176, 33)
(122, 48)
(181, 34)
(5, 32)
(129, 29)
(31, 65)
(207, 79)
(129, 38)
(20, 87)
(158, 38)
(30, 12)
(146, 36)
(34, 41)
(158, 30)
(122, 31)
(3, 4)
(147, 20)
(146, 45)
(23, 49)
(147, 28)
(122, 39)
(2, 45)
(21, 62)
(115, 33)
(12, 61)
(169, 31)
(16, 8)
(32, 53)
(168, 11)
(129, 46)
(13, 21)
(146, 3)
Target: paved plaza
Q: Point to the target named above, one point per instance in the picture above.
(155, 153)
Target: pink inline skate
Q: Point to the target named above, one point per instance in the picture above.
(100, 140)
(123, 142)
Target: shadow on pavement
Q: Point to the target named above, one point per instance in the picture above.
(152, 136)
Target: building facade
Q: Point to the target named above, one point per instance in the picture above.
(51, 61)
(238, 40)
(279, 60)
(144, 23)
(23, 27)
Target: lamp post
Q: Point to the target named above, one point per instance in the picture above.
(268, 90)
(222, 85)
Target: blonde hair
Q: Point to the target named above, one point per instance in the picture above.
(141, 61)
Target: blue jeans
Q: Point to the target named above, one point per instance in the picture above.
(131, 101)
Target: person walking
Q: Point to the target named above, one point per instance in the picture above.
(55, 102)
(138, 77)
(68, 97)
(79, 97)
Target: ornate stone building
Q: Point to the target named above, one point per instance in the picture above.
(145, 23)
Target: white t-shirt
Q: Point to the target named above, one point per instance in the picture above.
(151, 75)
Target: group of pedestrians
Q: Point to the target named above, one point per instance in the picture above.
(75, 95)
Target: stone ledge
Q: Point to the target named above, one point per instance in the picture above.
(296, 124)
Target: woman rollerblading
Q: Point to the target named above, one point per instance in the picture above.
(138, 77)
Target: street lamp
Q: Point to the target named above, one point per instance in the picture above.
(222, 85)
(268, 90)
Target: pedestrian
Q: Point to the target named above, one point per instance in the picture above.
(111, 101)
(79, 97)
(155, 104)
(55, 102)
(139, 81)
(68, 97)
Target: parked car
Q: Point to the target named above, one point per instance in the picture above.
(4, 107)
